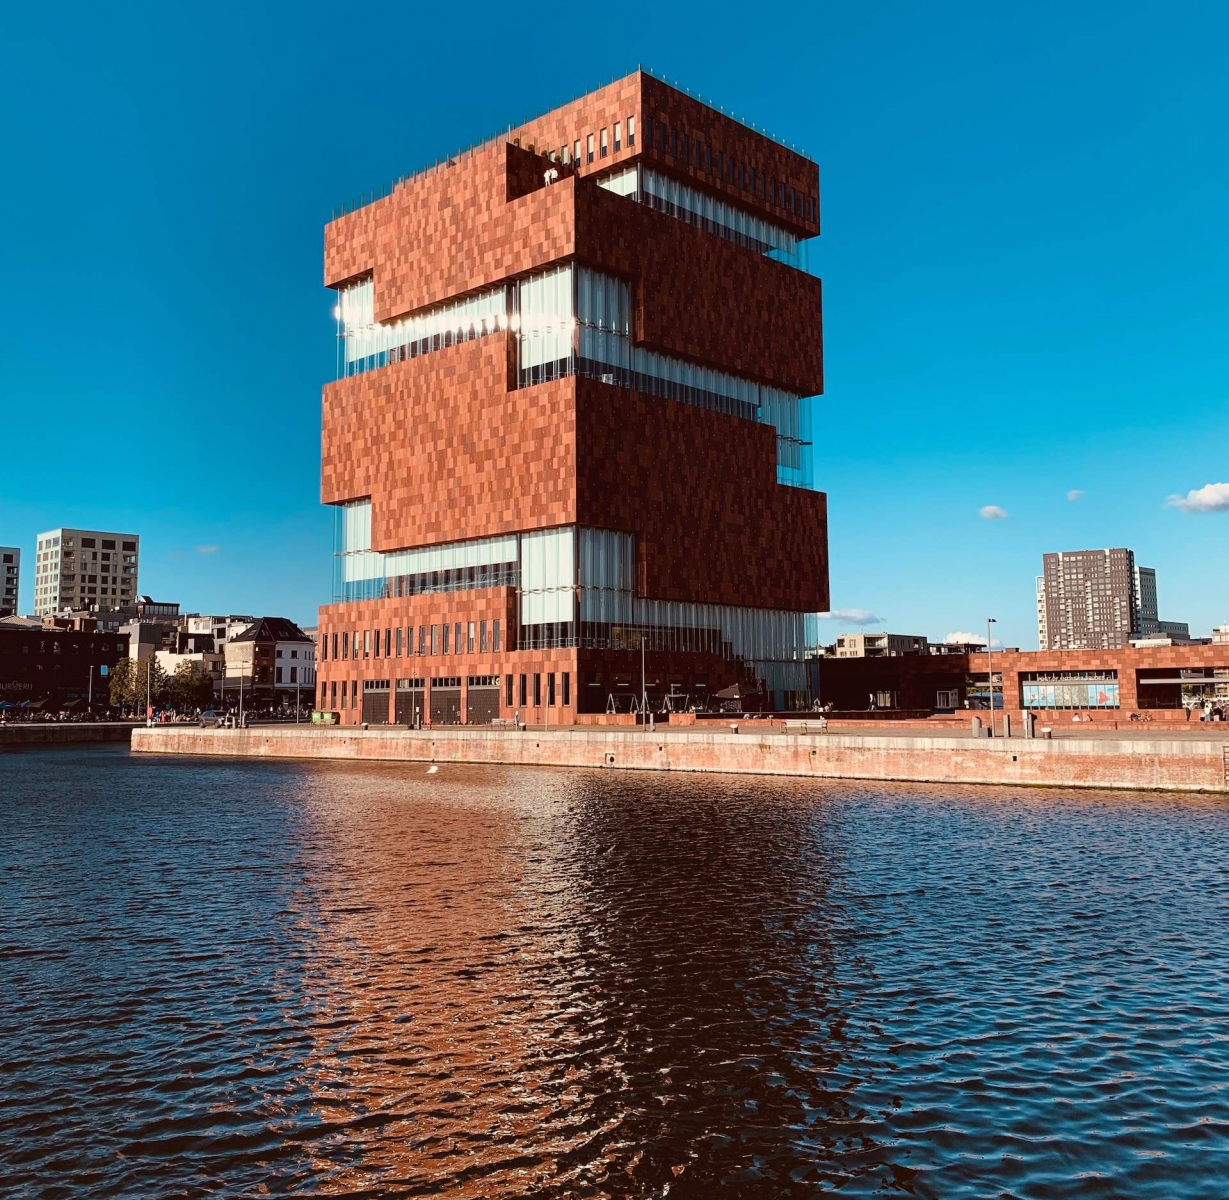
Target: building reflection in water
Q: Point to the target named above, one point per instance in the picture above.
(560, 983)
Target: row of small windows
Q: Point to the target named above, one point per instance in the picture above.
(521, 691)
(691, 152)
(601, 147)
(469, 637)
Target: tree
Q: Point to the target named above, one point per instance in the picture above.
(128, 684)
(121, 683)
(190, 687)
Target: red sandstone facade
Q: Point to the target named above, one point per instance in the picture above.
(654, 489)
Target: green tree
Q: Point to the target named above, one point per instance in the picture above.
(190, 687)
(121, 683)
(128, 684)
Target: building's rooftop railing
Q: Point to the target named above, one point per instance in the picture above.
(449, 160)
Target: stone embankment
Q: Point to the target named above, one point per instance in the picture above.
(62, 733)
(1108, 762)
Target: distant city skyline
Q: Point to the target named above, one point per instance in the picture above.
(1021, 253)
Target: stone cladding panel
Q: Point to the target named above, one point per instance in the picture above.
(446, 451)
(699, 490)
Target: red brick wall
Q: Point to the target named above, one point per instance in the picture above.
(704, 298)
(445, 451)
(483, 604)
(450, 231)
(699, 488)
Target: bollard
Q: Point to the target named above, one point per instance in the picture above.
(1030, 725)
(1007, 724)
(977, 728)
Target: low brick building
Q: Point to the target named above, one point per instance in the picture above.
(52, 665)
(1157, 682)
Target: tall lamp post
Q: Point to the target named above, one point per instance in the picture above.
(990, 671)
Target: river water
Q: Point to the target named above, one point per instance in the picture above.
(247, 978)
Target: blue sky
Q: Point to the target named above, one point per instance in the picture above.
(1024, 254)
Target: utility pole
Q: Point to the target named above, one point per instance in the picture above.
(990, 671)
(644, 689)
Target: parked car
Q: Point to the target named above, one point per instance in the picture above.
(211, 719)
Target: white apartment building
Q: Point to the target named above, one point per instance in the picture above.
(84, 568)
(10, 580)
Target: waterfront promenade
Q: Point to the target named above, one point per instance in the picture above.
(1119, 759)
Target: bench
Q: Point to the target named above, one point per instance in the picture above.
(815, 725)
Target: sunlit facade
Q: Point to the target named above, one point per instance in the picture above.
(571, 474)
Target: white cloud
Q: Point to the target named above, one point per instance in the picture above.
(961, 638)
(1075, 494)
(851, 616)
(1212, 497)
(992, 512)
(206, 549)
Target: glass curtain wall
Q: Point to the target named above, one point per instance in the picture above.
(360, 573)
(576, 588)
(364, 343)
(572, 320)
(685, 203)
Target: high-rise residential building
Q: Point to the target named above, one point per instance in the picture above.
(1097, 600)
(84, 569)
(571, 430)
(10, 580)
(1148, 619)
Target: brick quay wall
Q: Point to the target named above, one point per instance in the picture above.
(1129, 763)
(62, 733)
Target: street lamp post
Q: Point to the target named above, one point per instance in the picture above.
(990, 671)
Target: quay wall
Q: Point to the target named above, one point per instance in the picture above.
(1142, 763)
(63, 733)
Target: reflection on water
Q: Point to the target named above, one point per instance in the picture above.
(281, 978)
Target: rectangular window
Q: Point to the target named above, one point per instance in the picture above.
(399, 639)
(388, 643)
(107, 543)
(507, 691)
(344, 699)
(661, 137)
(482, 636)
(469, 638)
(294, 674)
(589, 148)
(567, 689)
(753, 181)
(422, 639)
(447, 642)
(495, 636)
(603, 145)
(550, 689)
(456, 637)
(435, 639)
(720, 165)
(537, 690)
(686, 149)
(708, 159)
(576, 153)
(618, 126)
(631, 131)
(324, 648)
(345, 644)
(377, 645)
(674, 143)
(523, 700)
(333, 693)
(366, 643)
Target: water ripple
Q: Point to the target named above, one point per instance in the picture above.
(288, 979)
